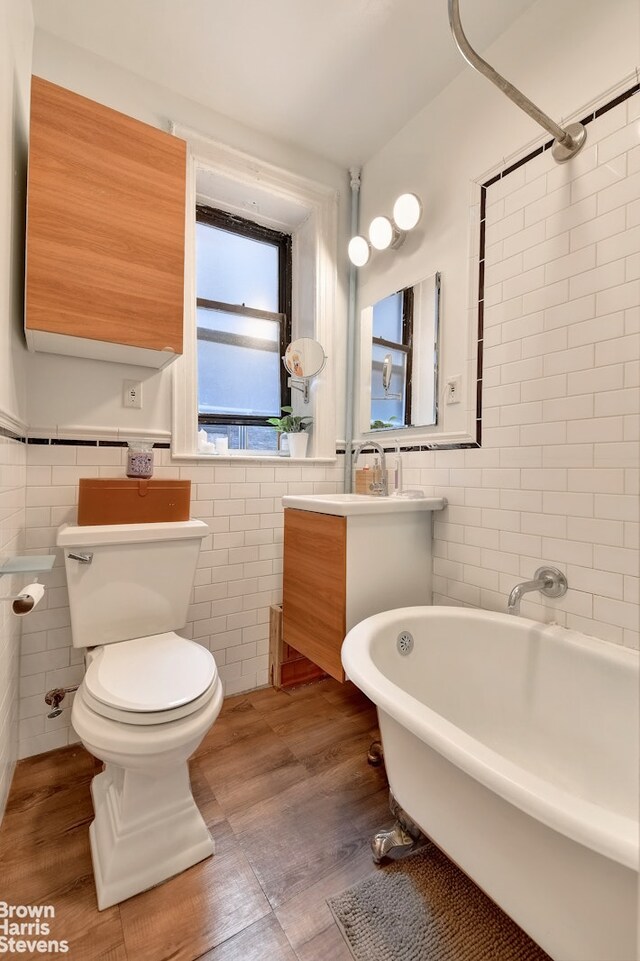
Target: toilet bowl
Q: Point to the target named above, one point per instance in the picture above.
(147, 699)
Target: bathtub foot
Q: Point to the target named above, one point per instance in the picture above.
(404, 836)
(396, 841)
(375, 757)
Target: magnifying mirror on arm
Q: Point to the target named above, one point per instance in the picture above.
(304, 358)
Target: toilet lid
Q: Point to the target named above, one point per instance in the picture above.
(156, 673)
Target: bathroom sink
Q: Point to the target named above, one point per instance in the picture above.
(347, 504)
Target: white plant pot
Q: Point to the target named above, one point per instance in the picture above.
(298, 444)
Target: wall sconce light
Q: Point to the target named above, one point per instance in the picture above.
(385, 233)
(359, 251)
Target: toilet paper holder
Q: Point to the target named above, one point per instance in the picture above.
(26, 600)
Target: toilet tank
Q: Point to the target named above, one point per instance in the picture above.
(138, 582)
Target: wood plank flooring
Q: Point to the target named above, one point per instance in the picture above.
(284, 786)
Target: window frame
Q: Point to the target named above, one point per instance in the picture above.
(232, 223)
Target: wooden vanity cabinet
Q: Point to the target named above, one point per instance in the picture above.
(314, 587)
(340, 569)
(105, 232)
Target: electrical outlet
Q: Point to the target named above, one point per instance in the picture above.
(132, 393)
(453, 390)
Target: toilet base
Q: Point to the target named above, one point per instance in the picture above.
(146, 830)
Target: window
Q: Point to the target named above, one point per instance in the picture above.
(391, 348)
(243, 278)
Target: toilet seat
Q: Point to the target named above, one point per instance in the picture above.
(149, 680)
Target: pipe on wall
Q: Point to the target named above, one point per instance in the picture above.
(354, 174)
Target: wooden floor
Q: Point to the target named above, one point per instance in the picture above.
(284, 786)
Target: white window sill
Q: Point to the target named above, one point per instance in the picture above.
(232, 458)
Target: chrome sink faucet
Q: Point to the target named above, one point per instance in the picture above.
(548, 580)
(378, 487)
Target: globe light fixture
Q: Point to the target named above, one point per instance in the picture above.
(381, 233)
(359, 251)
(407, 211)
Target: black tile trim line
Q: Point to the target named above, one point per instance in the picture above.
(70, 442)
(11, 435)
(482, 244)
(76, 442)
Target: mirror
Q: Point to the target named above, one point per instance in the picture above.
(399, 359)
(304, 358)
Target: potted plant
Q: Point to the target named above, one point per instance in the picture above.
(295, 427)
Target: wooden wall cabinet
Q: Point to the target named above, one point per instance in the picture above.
(340, 569)
(105, 232)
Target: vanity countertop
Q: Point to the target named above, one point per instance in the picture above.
(344, 505)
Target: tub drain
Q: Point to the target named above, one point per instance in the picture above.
(404, 642)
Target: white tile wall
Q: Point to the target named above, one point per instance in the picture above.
(556, 480)
(12, 520)
(239, 572)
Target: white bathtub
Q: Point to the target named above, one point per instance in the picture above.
(514, 746)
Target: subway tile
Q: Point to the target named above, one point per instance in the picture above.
(546, 296)
(524, 240)
(598, 180)
(545, 479)
(547, 206)
(522, 327)
(546, 525)
(502, 520)
(598, 228)
(619, 613)
(571, 312)
(620, 193)
(595, 581)
(523, 283)
(616, 455)
(596, 281)
(545, 343)
(530, 369)
(599, 379)
(597, 329)
(624, 507)
(610, 403)
(502, 270)
(589, 626)
(545, 388)
(595, 429)
(619, 245)
(619, 297)
(564, 361)
(595, 531)
(569, 216)
(519, 543)
(570, 265)
(503, 312)
(569, 551)
(549, 250)
(530, 413)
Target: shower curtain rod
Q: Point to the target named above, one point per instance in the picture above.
(568, 141)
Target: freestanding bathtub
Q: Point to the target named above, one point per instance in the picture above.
(514, 746)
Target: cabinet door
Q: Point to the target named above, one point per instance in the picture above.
(105, 229)
(315, 587)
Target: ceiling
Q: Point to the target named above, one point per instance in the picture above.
(335, 77)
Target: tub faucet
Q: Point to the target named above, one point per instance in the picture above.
(378, 487)
(548, 580)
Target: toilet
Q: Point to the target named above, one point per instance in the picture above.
(147, 699)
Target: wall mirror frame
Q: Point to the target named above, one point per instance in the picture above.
(399, 355)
